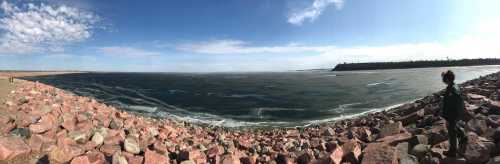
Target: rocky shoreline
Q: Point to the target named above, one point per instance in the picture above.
(43, 124)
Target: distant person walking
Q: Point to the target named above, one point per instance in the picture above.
(453, 111)
(11, 78)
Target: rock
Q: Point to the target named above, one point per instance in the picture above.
(449, 160)
(131, 146)
(229, 159)
(212, 152)
(78, 136)
(475, 96)
(96, 157)
(478, 126)
(496, 135)
(438, 134)
(24, 133)
(12, 147)
(293, 133)
(329, 132)
(438, 150)
(418, 139)
(351, 151)
(98, 138)
(151, 157)
(46, 123)
(65, 153)
(305, 158)
(331, 146)
(476, 151)
(119, 159)
(393, 140)
(337, 155)
(494, 121)
(408, 159)
(23, 100)
(494, 160)
(116, 124)
(81, 160)
(494, 107)
(133, 159)
(391, 129)
(35, 142)
(420, 151)
(412, 118)
(69, 121)
(188, 162)
(377, 153)
(109, 150)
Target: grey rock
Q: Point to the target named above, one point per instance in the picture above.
(420, 151)
(98, 138)
(131, 146)
(21, 132)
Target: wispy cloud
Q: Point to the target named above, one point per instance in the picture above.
(29, 28)
(241, 47)
(298, 16)
(124, 51)
(480, 43)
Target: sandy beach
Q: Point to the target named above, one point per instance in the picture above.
(43, 124)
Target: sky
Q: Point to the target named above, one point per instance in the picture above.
(240, 35)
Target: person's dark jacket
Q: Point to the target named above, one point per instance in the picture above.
(452, 103)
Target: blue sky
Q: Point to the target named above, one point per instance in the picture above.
(240, 35)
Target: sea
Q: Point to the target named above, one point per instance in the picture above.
(277, 99)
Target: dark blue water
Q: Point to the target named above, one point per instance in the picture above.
(276, 99)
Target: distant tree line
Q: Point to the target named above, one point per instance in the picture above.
(415, 64)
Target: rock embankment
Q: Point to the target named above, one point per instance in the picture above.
(50, 125)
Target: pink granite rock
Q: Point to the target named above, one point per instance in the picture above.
(12, 147)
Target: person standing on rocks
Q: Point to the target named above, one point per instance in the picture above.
(452, 112)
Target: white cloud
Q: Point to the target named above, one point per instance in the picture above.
(127, 51)
(29, 28)
(241, 47)
(312, 12)
(482, 42)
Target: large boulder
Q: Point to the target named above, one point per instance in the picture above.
(12, 147)
(376, 153)
(477, 150)
(478, 126)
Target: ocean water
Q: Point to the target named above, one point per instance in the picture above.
(260, 99)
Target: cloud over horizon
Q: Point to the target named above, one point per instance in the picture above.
(482, 42)
(312, 12)
(33, 28)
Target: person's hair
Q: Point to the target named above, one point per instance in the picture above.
(448, 76)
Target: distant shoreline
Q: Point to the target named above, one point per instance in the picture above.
(414, 64)
(14, 73)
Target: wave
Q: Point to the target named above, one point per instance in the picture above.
(343, 117)
(378, 83)
(142, 108)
